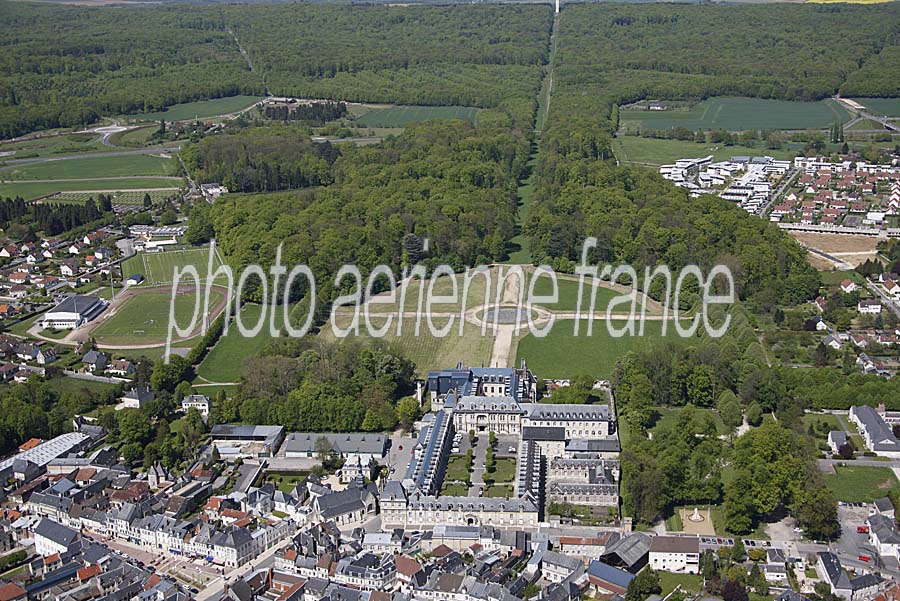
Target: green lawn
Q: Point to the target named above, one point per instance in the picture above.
(159, 268)
(669, 415)
(224, 361)
(285, 481)
(456, 470)
(144, 318)
(735, 114)
(401, 116)
(499, 490)
(113, 166)
(89, 387)
(861, 484)
(427, 351)
(53, 145)
(651, 151)
(32, 190)
(816, 419)
(414, 289)
(21, 328)
(889, 107)
(505, 470)
(455, 490)
(202, 109)
(552, 356)
(568, 294)
(689, 582)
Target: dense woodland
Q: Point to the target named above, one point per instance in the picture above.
(686, 462)
(452, 183)
(262, 160)
(63, 66)
(49, 217)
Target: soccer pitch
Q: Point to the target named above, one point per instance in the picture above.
(159, 268)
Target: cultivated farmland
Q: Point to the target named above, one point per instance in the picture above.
(735, 114)
(203, 109)
(30, 190)
(889, 107)
(401, 116)
(97, 167)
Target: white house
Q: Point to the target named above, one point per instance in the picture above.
(680, 554)
(869, 307)
(51, 537)
(199, 402)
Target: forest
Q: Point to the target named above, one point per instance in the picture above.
(64, 66)
(51, 218)
(262, 159)
(685, 462)
(452, 183)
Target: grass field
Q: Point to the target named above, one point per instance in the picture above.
(650, 151)
(689, 582)
(568, 294)
(32, 190)
(135, 138)
(224, 361)
(669, 415)
(144, 318)
(202, 109)
(88, 387)
(864, 124)
(505, 471)
(456, 469)
(53, 145)
(159, 268)
(735, 114)
(552, 356)
(96, 167)
(427, 351)
(889, 107)
(454, 490)
(401, 116)
(504, 491)
(861, 484)
(443, 286)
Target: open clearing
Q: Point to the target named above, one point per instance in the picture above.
(552, 356)
(735, 114)
(32, 190)
(401, 116)
(427, 351)
(889, 107)
(202, 109)
(144, 316)
(159, 268)
(851, 249)
(96, 167)
(49, 145)
(650, 151)
(861, 484)
(224, 361)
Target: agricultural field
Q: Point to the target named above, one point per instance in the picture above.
(551, 356)
(32, 190)
(861, 484)
(159, 268)
(425, 350)
(736, 114)
(143, 318)
(120, 197)
(651, 151)
(889, 107)
(203, 109)
(96, 167)
(401, 116)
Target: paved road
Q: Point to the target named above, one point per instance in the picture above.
(883, 120)
(885, 299)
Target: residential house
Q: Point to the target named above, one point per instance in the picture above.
(94, 361)
(680, 554)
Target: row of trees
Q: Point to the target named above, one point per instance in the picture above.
(52, 218)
